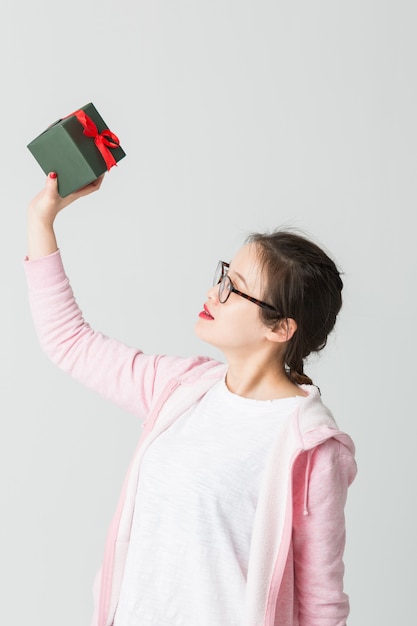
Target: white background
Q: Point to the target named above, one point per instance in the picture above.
(236, 115)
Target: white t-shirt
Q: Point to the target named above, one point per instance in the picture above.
(191, 531)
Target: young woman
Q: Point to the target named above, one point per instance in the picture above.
(232, 512)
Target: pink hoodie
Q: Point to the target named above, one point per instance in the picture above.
(295, 574)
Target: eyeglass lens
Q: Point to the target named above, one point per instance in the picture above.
(219, 273)
(220, 279)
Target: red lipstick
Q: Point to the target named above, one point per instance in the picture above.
(205, 314)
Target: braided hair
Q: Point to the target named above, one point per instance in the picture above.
(302, 283)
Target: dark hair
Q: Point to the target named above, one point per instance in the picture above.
(304, 284)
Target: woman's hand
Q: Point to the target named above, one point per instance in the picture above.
(42, 212)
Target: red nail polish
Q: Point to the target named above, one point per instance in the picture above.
(52, 174)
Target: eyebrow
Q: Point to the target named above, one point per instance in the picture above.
(240, 277)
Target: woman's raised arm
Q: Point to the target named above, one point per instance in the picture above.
(42, 212)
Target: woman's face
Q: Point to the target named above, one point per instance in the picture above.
(235, 327)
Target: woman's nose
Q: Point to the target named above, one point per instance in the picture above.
(213, 292)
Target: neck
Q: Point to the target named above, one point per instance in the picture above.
(260, 381)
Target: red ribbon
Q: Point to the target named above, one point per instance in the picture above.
(104, 140)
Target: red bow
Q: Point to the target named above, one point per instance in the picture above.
(104, 140)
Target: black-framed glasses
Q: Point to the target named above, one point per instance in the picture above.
(226, 287)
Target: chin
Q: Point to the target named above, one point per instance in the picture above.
(202, 333)
(199, 331)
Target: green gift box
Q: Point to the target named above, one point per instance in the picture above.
(79, 148)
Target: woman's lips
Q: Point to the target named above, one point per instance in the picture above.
(205, 314)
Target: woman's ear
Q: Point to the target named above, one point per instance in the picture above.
(282, 331)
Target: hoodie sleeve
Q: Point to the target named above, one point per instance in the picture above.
(321, 480)
(121, 374)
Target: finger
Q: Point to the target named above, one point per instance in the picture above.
(51, 185)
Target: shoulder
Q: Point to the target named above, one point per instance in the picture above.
(334, 454)
(324, 444)
(316, 423)
(328, 467)
(313, 413)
